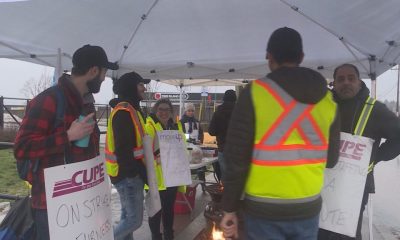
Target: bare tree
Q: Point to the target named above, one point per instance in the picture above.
(33, 87)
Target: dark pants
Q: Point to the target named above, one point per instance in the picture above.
(41, 224)
(328, 235)
(167, 198)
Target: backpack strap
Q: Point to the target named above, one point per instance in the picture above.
(60, 106)
(59, 121)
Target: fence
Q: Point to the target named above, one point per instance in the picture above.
(12, 114)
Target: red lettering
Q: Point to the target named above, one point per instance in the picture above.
(74, 178)
(359, 149)
(348, 145)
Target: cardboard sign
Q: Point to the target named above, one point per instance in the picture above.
(174, 158)
(79, 201)
(344, 185)
(152, 199)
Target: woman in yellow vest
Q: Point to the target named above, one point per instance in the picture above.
(124, 152)
(161, 119)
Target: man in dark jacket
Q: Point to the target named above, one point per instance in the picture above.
(350, 93)
(219, 124)
(268, 216)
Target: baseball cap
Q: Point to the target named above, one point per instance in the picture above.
(89, 56)
(127, 82)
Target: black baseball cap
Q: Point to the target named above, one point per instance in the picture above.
(89, 56)
(127, 82)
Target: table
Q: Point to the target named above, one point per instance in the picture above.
(204, 162)
(199, 169)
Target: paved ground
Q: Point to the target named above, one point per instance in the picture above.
(180, 222)
(386, 207)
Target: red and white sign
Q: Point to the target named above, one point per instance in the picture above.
(344, 185)
(79, 201)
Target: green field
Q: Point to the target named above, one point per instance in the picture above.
(10, 183)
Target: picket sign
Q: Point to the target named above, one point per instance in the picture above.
(174, 158)
(79, 201)
(344, 185)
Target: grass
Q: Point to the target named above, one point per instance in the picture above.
(10, 183)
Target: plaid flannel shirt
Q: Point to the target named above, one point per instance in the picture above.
(38, 139)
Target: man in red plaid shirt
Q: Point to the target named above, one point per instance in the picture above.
(40, 139)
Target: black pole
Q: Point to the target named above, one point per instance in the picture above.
(1, 112)
(398, 88)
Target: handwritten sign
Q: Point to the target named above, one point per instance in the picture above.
(344, 185)
(78, 201)
(174, 158)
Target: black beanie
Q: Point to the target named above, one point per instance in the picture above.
(229, 96)
(285, 45)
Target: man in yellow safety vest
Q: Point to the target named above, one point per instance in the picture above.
(283, 133)
(124, 151)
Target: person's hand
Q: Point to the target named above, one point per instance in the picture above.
(229, 225)
(80, 129)
(157, 159)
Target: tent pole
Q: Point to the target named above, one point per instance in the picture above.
(372, 74)
(398, 88)
(58, 69)
(373, 88)
(180, 99)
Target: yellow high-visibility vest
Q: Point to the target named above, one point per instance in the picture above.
(290, 145)
(138, 123)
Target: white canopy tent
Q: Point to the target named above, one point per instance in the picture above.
(207, 39)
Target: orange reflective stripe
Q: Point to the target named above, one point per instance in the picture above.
(317, 129)
(289, 162)
(133, 114)
(295, 124)
(273, 93)
(290, 147)
(278, 121)
(110, 161)
(295, 116)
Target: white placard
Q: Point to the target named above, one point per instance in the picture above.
(79, 201)
(152, 199)
(344, 185)
(174, 158)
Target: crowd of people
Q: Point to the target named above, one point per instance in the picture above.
(274, 142)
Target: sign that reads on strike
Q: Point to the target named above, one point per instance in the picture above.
(78, 199)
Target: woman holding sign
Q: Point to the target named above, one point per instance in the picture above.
(161, 119)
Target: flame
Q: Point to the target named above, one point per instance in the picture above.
(216, 234)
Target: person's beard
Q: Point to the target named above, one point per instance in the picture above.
(94, 84)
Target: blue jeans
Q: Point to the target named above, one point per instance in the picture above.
(41, 224)
(304, 229)
(130, 192)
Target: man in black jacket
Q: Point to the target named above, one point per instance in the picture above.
(219, 124)
(279, 216)
(350, 93)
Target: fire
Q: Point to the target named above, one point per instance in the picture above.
(216, 234)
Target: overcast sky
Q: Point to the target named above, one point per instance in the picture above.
(13, 75)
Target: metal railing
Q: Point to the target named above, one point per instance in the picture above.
(102, 111)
